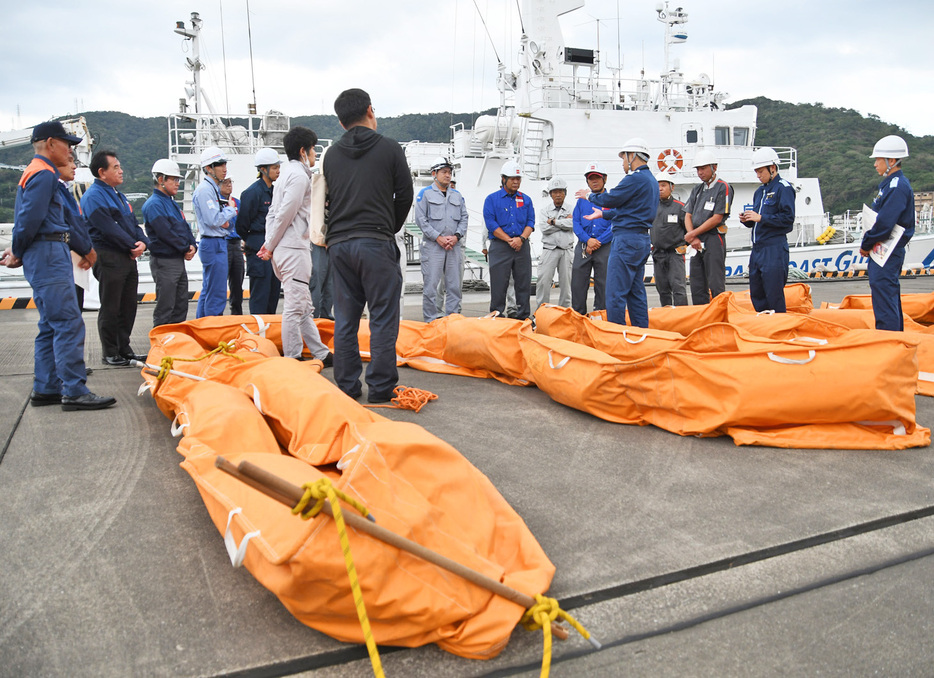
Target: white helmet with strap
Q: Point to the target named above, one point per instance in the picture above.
(167, 168)
(891, 146)
(764, 157)
(212, 155)
(266, 156)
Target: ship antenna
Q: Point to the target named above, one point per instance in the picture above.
(483, 21)
(224, 58)
(249, 33)
(519, 11)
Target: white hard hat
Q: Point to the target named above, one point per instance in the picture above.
(594, 168)
(211, 155)
(166, 167)
(664, 176)
(703, 158)
(557, 184)
(511, 169)
(891, 146)
(440, 163)
(635, 145)
(763, 157)
(266, 156)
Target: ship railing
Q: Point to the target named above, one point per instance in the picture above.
(190, 133)
(590, 91)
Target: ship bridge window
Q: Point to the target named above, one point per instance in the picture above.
(740, 136)
(691, 136)
(721, 136)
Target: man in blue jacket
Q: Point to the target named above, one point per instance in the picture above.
(119, 242)
(631, 209)
(894, 206)
(171, 244)
(510, 219)
(40, 245)
(213, 219)
(771, 218)
(592, 252)
(251, 226)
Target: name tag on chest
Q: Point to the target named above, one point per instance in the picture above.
(708, 205)
(672, 218)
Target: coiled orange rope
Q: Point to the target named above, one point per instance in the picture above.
(409, 398)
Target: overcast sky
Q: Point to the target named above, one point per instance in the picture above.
(422, 57)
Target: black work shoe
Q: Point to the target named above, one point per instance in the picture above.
(88, 371)
(115, 361)
(87, 401)
(40, 399)
(134, 356)
(328, 360)
(376, 398)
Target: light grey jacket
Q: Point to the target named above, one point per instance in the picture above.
(289, 213)
(561, 235)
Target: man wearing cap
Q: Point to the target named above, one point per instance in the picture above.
(441, 214)
(171, 244)
(771, 219)
(40, 245)
(631, 208)
(894, 206)
(705, 215)
(119, 242)
(557, 228)
(214, 221)
(668, 246)
(287, 244)
(369, 197)
(251, 226)
(510, 220)
(593, 249)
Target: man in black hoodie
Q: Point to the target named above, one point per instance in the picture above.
(369, 193)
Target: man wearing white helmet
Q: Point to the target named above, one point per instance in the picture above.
(171, 244)
(251, 225)
(593, 249)
(894, 207)
(771, 218)
(441, 214)
(214, 222)
(510, 219)
(288, 245)
(705, 213)
(668, 246)
(557, 228)
(631, 208)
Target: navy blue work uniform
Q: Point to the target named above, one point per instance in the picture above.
(40, 239)
(251, 226)
(768, 262)
(79, 239)
(213, 219)
(631, 208)
(170, 239)
(114, 232)
(894, 204)
(512, 213)
(235, 263)
(584, 265)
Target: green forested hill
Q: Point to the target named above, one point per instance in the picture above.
(833, 145)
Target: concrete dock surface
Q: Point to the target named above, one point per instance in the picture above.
(683, 556)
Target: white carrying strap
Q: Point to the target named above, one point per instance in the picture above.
(898, 428)
(177, 428)
(637, 341)
(167, 338)
(262, 326)
(768, 311)
(791, 361)
(813, 340)
(257, 400)
(345, 459)
(145, 386)
(236, 553)
(926, 376)
(561, 363)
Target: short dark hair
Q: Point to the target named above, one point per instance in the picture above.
(296, 139)
(351, 106)
(100, 161)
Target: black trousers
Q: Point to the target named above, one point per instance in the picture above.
(118, 277)
(505, 261)
(235, 275)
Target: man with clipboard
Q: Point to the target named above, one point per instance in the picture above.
(894, 208)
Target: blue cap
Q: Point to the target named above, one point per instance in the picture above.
(52, 130)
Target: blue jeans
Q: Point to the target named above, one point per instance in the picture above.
(213, 299)
(59, 351)
(625, 277)
(365, 271)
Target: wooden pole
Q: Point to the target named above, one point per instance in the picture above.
(289, 494)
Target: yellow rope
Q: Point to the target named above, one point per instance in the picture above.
(222, 347)
(323, 489)
(540, 616)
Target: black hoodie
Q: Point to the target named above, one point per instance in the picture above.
(369, 186)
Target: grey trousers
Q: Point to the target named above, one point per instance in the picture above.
(171, 290)
(440, 264)
(554, 259)
(669, 278)
(293, 268)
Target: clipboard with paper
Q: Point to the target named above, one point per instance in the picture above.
(881, 251)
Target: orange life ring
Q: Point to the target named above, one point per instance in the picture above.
(670, 160)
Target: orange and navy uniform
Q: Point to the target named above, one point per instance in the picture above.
(39, 207)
